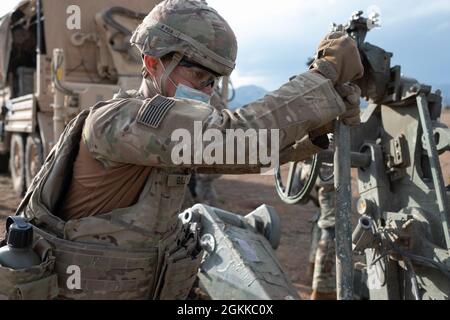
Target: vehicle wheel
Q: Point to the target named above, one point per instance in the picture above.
(17, 163)
(34, 157)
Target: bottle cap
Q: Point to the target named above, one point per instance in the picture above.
(20, 232)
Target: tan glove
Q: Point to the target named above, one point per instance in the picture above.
(338, 58)
(350, 93)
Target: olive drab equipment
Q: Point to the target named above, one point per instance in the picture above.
(26, 264)
(402, 234)
(18, 252)
(239, 261)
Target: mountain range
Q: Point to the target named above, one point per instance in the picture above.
(246, 94)
(249, 93)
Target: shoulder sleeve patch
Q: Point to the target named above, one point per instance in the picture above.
(153, 112)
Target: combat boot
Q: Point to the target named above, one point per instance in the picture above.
(318, 295)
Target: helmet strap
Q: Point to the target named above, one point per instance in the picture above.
(176, 58)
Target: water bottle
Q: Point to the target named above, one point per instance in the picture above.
(17, 253)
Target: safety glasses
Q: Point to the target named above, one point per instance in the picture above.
(197, 74)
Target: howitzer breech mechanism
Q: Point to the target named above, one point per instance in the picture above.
(403, 231)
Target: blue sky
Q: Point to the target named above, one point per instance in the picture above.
(275, 37)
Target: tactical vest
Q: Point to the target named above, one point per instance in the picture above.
(139, 252)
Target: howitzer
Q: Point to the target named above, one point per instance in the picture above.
(403, 232)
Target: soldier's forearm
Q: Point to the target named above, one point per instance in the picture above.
(147, 132)
(307, 102)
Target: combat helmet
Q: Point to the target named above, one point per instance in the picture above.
(190, 29)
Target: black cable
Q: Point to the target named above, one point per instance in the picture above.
(414, 284)
(421, 259)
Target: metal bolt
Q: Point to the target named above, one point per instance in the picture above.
(208, 242)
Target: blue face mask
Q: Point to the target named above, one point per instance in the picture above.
(186, 92)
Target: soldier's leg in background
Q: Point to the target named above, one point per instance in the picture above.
(315, 238)
(190, 197)
(205, 190)
(327, 203)
(324, 279)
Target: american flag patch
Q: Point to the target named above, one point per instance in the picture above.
(153, 112)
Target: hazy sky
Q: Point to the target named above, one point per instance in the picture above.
(275, 37)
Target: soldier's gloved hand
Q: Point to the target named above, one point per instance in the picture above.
(338, 58)
(351, 94)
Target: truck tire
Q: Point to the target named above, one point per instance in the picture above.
(34, 157)
(17, 163)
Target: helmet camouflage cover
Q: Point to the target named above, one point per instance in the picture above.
(191, 28)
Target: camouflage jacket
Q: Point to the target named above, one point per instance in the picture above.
(139, 130)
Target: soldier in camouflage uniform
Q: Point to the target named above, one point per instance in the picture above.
(323, 254)
(322, 258)
(108, 196)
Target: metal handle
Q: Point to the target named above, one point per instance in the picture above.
(342, 184)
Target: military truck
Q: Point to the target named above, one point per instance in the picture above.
(58, 58)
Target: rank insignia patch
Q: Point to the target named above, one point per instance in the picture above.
(153, 112)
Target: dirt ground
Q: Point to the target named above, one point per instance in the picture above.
(242, 194)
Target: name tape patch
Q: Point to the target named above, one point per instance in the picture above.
(152, 113)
